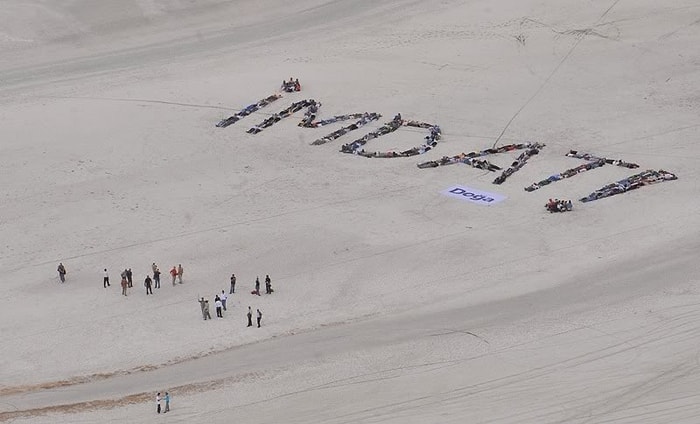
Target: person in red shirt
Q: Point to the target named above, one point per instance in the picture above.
(173, 273)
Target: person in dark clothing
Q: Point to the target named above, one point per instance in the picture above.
(257, 286)
(268, 284)
(147, 283)
(129, 275)
(156, 277)
(250, 317)
(233, 284)
(218, 305)
(259, 317)
(61, 272)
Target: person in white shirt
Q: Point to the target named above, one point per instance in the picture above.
(218, 304)
(223, 298)
(105, 281)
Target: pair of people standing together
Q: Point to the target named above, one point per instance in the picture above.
(166, 399)
(250, 317)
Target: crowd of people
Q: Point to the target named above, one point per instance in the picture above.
(557, 205)
(519, 162)
(633, 182)
(357, 147)
(471, 157)
(220, 300)
(176, 273)
(291, 86)
(593, 163)
(248, 110)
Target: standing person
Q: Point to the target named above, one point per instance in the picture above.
(105, 280)
(158, 402)
(129, 275)
(206, 309)
(223, 298)
(250, 317)
(233, 284)
(125, 284)
(202, 303)
(147, 283)
(179, 273)
(173, 273)
(217, 303)
(61, 272)
(154, 267)
(167, 402)
(156, 277)
(268, 284)
(259, 317)
(257, 286)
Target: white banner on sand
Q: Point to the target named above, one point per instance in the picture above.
(473, 195)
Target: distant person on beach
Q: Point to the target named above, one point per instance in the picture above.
(233, 284)
(204, 304)
(259, 317)
(125, 284)
(250, 317)
(105, 280)
(167, 402)
(257, 286)
(129, 276)
(218, 305)
(223, 298)
(179, 273)
(268, 285)
(61, 272)
(158, 402)
(173, 273)
(148, 283)
(156, 277)
(154, 267)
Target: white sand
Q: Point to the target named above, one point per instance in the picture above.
(393, 303)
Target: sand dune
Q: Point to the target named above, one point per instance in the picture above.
(393, 302)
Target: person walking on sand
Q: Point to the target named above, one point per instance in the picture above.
(158, 402)
(233, 284)
(129, 276)
(167, 402)
(125, 284)
(105, 280)
(179, 273)
(147, 283)
(61, 272)
(217, 304)
(250, 317)
(173, 273)
(156, 277)
(259, 317)
(223, 298)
